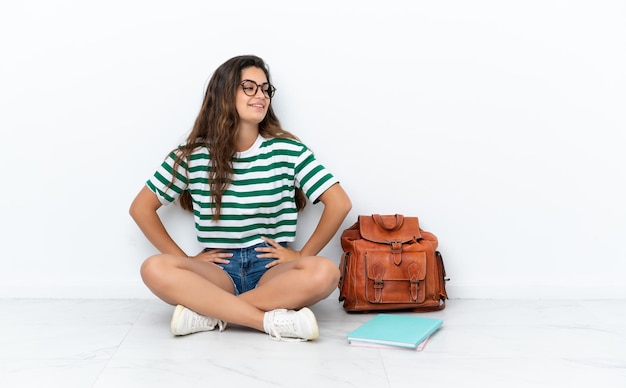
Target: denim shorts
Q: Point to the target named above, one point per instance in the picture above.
(245, 268)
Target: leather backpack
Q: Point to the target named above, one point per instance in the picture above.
(390, 263)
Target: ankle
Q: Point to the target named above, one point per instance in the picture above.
(268, 319)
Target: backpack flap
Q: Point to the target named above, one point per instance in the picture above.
(385, 229)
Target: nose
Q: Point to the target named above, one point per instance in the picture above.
(259, 90)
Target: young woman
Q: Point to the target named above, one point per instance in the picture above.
(245, 179)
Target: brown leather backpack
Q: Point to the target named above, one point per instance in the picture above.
(389, 263)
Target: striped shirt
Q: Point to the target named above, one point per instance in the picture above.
(260, 201)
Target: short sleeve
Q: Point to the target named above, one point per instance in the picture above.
(311, 176)
(166, 184)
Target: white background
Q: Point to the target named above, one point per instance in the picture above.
(500, 124)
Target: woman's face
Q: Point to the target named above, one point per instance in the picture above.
(252, 107)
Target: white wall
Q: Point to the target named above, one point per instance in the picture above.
(500, 124)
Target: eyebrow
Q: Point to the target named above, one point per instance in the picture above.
(249, 80)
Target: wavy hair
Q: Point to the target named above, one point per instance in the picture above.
(216, 128)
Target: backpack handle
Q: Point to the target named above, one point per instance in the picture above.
(380, 221)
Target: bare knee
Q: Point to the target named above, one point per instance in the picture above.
(324, 275)
(154, 271)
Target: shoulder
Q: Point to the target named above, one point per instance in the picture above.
(286, 144)
(182, 153)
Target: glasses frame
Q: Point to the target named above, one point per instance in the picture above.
(269, 93)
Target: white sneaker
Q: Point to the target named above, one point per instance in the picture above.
(298, 325)
(185, 321)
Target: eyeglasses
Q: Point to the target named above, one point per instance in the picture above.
(250, 88)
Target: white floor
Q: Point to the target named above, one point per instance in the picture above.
(483, 343)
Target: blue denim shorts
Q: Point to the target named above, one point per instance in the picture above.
(245, 268)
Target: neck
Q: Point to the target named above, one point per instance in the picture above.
(246, 136)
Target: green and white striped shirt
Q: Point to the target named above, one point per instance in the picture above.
(260, 201)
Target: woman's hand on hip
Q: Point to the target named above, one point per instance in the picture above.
(213, 256)
(278, 252)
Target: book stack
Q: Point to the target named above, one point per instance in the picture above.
(395, 331)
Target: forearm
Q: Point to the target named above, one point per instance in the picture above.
(337, 205)
(324, 232)
(155, 232)
(144, 211)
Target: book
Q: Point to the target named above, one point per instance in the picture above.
(360, 344)
(395, 330)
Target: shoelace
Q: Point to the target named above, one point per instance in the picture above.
(285, 325)
(198, 320)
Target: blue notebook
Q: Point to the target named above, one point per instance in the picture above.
(407, 331)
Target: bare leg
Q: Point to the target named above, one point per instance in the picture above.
(207, 289)
(202, 287)
(295, 284)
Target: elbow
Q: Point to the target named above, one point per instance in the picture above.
(132, 211)
(345, 205)
(144, 205)
(136, 209)
(337, 201)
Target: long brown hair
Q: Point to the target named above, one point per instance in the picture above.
(216, 128)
